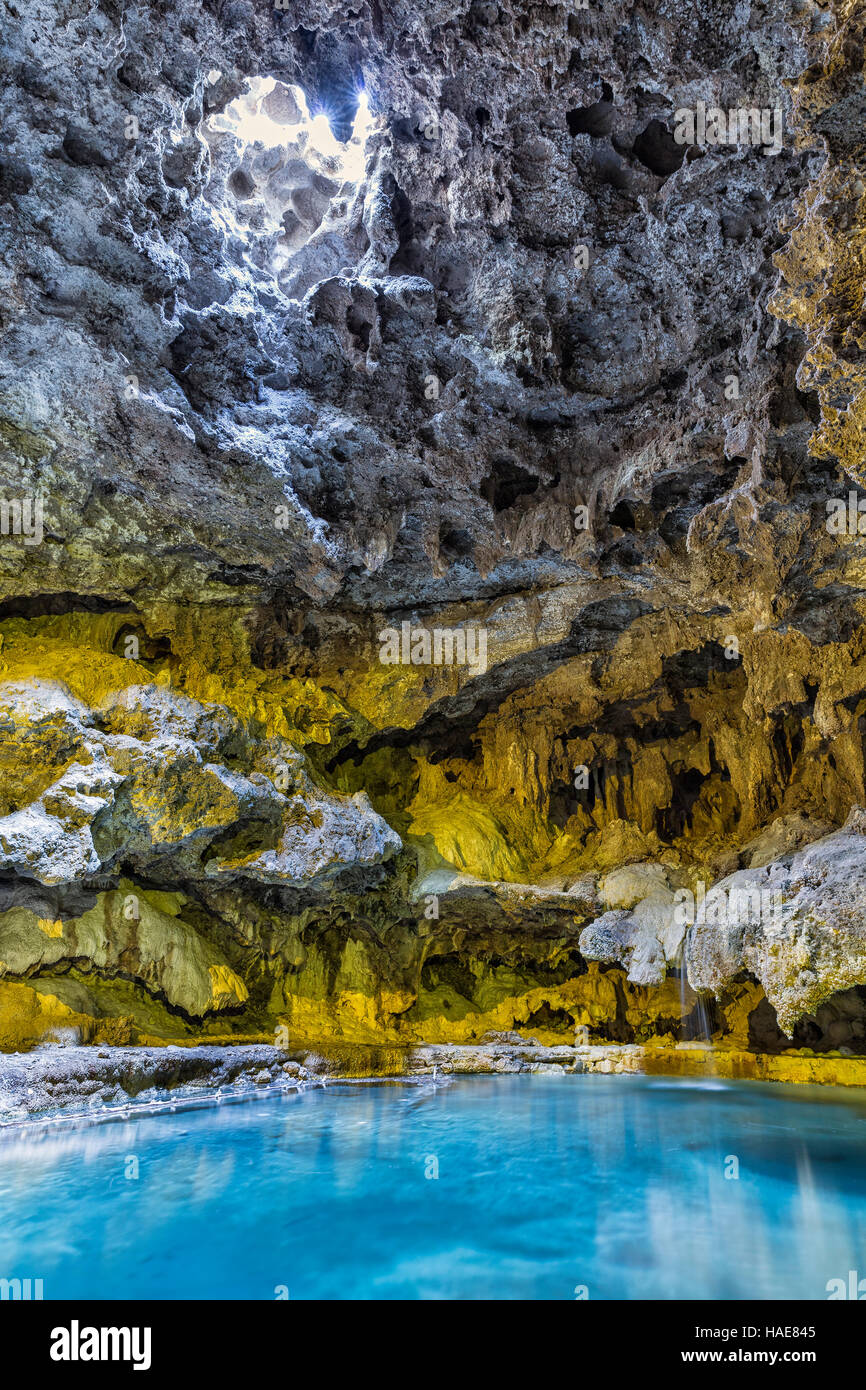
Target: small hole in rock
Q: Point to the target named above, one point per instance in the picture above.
(658, 151)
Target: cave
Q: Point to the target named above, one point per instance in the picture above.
(432, 617)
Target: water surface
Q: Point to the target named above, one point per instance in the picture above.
(512, 1187)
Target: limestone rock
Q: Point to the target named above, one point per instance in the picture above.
(646, 939)
(493, 357)
(781, 837)
(799, 929)
(162, 952)
(158, 799)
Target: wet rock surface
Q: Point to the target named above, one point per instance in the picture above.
(795, 925)
(488, 363)
(93, 1081)
(59, 1084)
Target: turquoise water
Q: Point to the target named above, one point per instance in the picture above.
(546, 1186)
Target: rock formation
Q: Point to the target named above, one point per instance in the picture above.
(431, 552)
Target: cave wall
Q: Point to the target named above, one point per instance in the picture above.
(539, 372)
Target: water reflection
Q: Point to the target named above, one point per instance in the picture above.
(491, 1187)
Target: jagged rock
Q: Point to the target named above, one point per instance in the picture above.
(631, 884)
(797, 926)
(503, 366)
(646, 940)
(125, 934)
(157, 801)
(821, 282)
(478, 896)
(800, 929)
(72, 1080)
(781, 837)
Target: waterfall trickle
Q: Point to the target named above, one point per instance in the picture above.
(697, 1025)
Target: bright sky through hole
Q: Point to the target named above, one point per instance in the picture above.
(254, 125)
